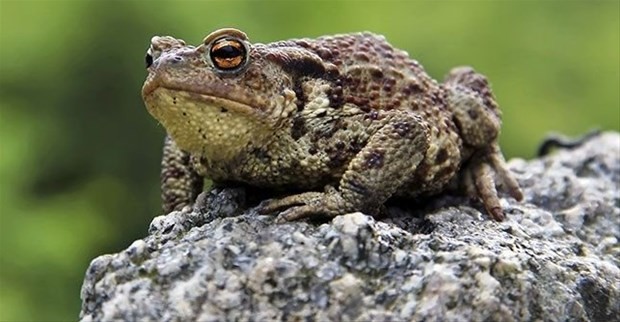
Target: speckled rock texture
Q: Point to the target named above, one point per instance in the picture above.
(555, 258)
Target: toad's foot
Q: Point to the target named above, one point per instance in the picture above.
(483, 174)
(329, 203)
(308, 204)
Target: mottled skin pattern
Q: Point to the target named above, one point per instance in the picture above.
(348, 118)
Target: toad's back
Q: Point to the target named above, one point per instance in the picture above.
(373, 78)
(369, 73)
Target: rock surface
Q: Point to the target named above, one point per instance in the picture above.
(556, 257)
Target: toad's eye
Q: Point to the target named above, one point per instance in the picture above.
(149, 60)
(228, 54)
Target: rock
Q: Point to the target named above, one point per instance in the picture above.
(555, 257)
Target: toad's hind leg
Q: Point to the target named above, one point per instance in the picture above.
(180, 184)
(477, 116)
(389, 158)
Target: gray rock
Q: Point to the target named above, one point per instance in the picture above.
(555, 258)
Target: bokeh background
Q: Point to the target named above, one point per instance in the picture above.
(79, 154)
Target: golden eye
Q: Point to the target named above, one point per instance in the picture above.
(228, 54)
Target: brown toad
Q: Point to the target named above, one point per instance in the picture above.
(348, 118)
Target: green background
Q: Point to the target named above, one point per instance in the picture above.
(79, 154)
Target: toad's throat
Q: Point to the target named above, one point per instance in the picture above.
(212, 127)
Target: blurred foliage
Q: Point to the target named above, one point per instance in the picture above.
(79, 154)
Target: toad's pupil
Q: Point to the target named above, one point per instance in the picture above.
(227, 51)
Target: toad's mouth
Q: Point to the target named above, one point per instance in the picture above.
(214, 127)
(218, 93)
(164, 97)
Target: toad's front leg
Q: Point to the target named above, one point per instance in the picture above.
(389, 158)
(180, 184)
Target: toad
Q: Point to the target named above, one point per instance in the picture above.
(348, 119)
